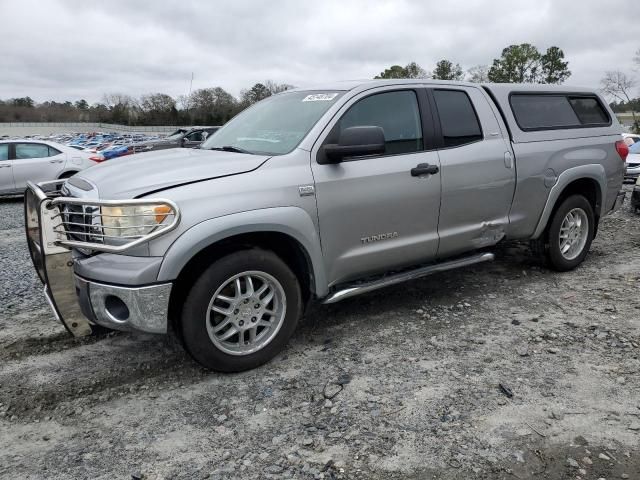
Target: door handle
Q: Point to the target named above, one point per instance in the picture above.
(6, 165)
(55, 161)
(424, 169)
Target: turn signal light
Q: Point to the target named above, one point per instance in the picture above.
(161, 212)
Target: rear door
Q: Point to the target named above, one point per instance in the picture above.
(477, 171)
(36, 162)
(374, 215)
(7, 184)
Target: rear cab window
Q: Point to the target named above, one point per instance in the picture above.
(458, 119)
(550, 111)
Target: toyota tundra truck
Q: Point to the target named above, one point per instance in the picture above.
(320, 195)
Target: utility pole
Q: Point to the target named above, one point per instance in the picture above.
(189, 98)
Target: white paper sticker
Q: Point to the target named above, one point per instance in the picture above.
(320, 97)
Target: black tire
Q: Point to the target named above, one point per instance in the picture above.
(193, 321)
(555, 259)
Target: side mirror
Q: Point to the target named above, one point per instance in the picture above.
(355, 142)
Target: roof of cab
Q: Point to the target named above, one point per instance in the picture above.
(347, 85)
(500, 93)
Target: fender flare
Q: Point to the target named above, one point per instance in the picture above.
(292, 221)
(591, 171)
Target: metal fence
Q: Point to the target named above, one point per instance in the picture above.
(9, 128)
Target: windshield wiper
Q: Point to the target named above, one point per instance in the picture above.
(231, 148)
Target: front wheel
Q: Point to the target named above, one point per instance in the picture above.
(570, 233)
(241, 311)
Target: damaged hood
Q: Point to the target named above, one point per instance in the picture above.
(137, 175)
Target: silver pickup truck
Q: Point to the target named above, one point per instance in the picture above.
(322, 194)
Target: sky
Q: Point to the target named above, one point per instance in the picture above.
(72, 49)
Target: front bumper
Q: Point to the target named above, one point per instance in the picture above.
(125, 308)
(80, 303)
(632, 173)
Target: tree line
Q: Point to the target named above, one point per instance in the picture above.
(205, 106)
(523, 63)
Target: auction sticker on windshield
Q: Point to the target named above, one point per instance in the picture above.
(320, 97)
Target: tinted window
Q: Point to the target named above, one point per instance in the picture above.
(195, 137)
(589, 111)
(535, 112)
(458, 119)
(396, 113)
(54, 151)
(31, 150)
(4, 151)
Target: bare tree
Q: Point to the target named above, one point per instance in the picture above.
(274, 87)
(619, 85)
(478, 74)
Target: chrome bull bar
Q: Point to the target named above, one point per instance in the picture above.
(52, 261)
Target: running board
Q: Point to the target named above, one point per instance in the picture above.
(387, 281)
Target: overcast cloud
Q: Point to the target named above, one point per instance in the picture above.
(72, 49)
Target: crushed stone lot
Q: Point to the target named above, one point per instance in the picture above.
(501, 371)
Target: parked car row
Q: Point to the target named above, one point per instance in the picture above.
(106, 146)
(37, 161)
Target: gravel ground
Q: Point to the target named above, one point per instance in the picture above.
(403, 383)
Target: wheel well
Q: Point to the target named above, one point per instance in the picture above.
(587, 187)
(286, 247)
(67, 174)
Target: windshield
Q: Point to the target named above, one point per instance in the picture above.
(275, 125)
(177, 135)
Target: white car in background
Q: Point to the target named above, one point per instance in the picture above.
(37, 161)
(630, 138)
(632, 162)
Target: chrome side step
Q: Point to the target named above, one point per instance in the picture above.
(387, 281)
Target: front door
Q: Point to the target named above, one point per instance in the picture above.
(36, 162)
(374, 215)
(7, 184)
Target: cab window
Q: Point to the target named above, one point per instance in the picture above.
(396, 112)
(4, 151)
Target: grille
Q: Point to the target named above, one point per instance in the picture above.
(81, 223)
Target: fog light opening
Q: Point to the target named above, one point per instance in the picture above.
(116, 309)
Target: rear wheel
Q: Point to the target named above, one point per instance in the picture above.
(567, 240)
(241, 311)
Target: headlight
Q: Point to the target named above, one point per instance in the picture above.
(133, 221)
